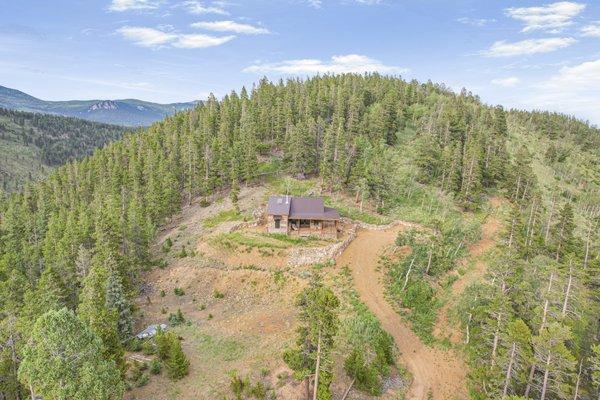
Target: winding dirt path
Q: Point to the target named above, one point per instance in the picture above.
(436, 372)
(490, 228)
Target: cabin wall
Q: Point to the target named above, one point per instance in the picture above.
(283, 224)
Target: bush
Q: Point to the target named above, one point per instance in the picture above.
(148, 348)
(142, 380)
(178, 291)
(182, 253)
(166, 247)
(204, 203)
(239, 386)
(177, 318)
(134, 344)
(218, 295)
(259, 391)
(155, 367)
(365, 374)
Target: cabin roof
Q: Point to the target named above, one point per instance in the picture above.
(301, 208)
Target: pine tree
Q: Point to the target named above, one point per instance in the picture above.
(63, 360)
(318, 305)
(177, 364)
(117, 302)
(563, 231)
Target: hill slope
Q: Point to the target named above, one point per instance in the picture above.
(378, 149)
(129, 112)
(32, 144)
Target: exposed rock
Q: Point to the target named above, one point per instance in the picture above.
(103, 105)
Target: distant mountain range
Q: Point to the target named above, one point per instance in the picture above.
(129, 112)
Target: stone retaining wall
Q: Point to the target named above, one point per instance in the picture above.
(308, 256)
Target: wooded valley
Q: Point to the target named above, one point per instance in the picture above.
(32, 144)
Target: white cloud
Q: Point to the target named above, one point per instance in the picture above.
(198, 8)
(351, 63)
(200, 41)
(511, 81)
(231, 26)
(550, 17)
(585, 75)
(574, 90)
(319, 3)
(125, 5)
(146, 37)
(368, 2)
(155, 38)
(475, 21)
(592, 30)
(526, 47)
(315, 3)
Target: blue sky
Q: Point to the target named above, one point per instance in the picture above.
(525, 54)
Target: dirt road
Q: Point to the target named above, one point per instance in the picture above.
(490, 228)
(436, 372)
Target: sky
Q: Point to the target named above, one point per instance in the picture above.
(523, 54)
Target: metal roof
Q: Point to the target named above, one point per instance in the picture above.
(151, 331)
(279, 205)
(301, 208)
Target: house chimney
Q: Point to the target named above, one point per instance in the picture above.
(287, 200)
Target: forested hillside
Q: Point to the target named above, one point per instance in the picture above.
(80, 238)
(32, 144)
(128, 112)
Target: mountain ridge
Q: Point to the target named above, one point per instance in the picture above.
(127, 112)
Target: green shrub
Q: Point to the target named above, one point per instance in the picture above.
(148, 348)
(142, 380)
(204, 203)
(239, 386)
(178, 291)
(259, 391)
(182, 253)
(167, 244)
(155, 367)
(177, 318)
(218, 295)
(134, 344)
(162, 293)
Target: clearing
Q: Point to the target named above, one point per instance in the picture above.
(436, 372)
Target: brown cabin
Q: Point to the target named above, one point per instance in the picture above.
(301, 216)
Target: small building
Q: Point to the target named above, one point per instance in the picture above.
(301, 216)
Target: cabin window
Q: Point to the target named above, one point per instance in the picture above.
(277, 223)
(305, 223)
